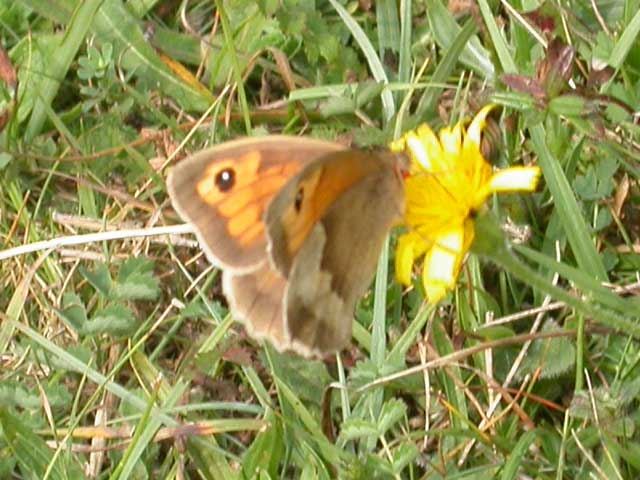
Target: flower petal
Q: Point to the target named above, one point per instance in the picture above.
(474, 132)
(435, 292)
(515, 179)
(398, 145)
(418, 152)
(404, 259)
(423, 147)
(438, 273)
(442, 263)
(451, 141)
(469, 233)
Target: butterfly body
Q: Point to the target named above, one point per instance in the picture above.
(298, 225)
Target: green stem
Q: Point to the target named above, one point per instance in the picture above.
(491, 244)
(579, 354)
(510, 263)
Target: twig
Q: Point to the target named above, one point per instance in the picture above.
(67, 241)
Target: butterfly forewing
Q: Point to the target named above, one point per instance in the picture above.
(224, 191)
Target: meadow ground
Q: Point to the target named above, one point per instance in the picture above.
(118, 358)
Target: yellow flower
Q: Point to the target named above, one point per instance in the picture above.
(449, 181)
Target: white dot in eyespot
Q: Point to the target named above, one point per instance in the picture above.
(225, 179)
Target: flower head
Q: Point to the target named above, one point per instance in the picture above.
(449, 181)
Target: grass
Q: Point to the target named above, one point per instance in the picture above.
(118, 358)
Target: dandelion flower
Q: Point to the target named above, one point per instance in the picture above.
(449, 181)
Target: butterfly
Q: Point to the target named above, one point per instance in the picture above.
(297, 225)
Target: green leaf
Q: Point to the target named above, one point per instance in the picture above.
(136, 281)
(375, 65)
(34, 56)
(494, 332)
(626, 42)
(388, 25)
(80, 352)
(309, 377)
(500, 45)
(73, 311)
(116, 320)
(392, 412)
(569, 105)
(15, 394)
(406, 28)
(294, 412)
(5, 159)
(603, 220)
(553, 356)
(115, 23)
(8, 462)
(357, 428)
(404, 455)
(100, 279)
(431, 96)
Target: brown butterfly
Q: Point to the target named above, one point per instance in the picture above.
(297, 225)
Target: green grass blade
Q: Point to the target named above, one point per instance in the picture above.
(330, 452)
(590, 286)
(375, 65)
(115, 23)
(16, 304)
(77, 365)
(445, 30)
(59, 11)
(142, 436)
(404, 68)
(58, 66)
(429, 100)
(626, 42)
(409, 335)
(451, 379)
(514, 463)
(378, 334)
(237, 72)
(31, 452)
(578, 233)
(499, 43)
(388, 26)
(489, 241)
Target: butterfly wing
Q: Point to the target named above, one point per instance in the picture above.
(256, 300)
(224, 191)
(326, 228)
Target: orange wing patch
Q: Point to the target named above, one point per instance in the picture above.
(244, 202)
(321, 188)
(251, 235)
(244, 221)
(245, 169)
(253, 193)
(298, 224)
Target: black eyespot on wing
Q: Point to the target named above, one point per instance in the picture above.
(297, 203)
(225, 179)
